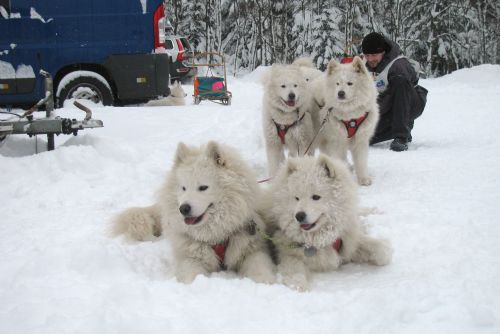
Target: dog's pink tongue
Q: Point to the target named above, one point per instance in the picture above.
(190, 220)
(290, 103)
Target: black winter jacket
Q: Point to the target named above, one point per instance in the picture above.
(401, 67)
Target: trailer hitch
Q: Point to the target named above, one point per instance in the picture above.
(49, 125)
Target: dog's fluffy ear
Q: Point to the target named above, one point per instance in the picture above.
(181, 153)
(265, 76)
(358, 65)
(303, 62)
(331, 66)
(215, 153)
(279, 67)
(326, 165)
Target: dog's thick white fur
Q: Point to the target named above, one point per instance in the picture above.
(315, 205)
(209, 199)
(311, 74)
(307, 68)
(286, 105)
(138, 223)
(347, 93)
(176, 98)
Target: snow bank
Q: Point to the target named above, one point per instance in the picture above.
(486, 74)
(60, 272)
(256, 75)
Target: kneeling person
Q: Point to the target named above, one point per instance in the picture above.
(401, 99)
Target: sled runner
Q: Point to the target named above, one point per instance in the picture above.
(213, 88)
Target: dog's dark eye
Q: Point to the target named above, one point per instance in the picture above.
(338, 83)
(183, 188)
(316, 197)
(295, 86)
(349, 84)
(296, 198)
(202, 188)
(283, 86)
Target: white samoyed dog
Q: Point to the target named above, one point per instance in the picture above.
(307, 68)
(349, 100)
(311, 74)
(286, 117)
(315, 206)
(176, 98)
(207, 208)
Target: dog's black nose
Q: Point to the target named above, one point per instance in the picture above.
(291, 96)
(341, 94)
(300, 216)
(185, 209)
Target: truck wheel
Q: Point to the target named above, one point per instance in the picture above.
(85, 87)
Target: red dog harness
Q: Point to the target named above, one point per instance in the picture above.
(337, 244)
(352, 125)
(283, 128)
(220, 251)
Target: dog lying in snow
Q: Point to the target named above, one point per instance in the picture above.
(207, 209)
(314, 204)
(176, 98)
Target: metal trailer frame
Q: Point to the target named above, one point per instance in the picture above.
(49, 125)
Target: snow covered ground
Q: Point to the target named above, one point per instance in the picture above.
(61, 273)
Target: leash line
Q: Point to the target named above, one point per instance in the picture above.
(312, 141)
(266, 236)
(265, 180)
(319, 130)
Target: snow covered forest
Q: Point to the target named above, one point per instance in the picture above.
(442, 35)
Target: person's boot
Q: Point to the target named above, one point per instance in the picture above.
(380, 138)
(399, 144)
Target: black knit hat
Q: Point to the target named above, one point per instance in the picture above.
(374, 43)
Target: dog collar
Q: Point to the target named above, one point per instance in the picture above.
(311, 250)
(353, 124)
(220, 248)
(283, 128)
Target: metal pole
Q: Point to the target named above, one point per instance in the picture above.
(49, 105)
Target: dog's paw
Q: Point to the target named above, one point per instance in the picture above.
(365, 181)
(186, 272)
(383, 254)
(296, 282)
(367, 211)
(186, 278)
(263, 277)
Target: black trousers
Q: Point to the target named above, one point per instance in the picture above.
(399, 106)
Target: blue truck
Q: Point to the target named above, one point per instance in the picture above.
(108, 51)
